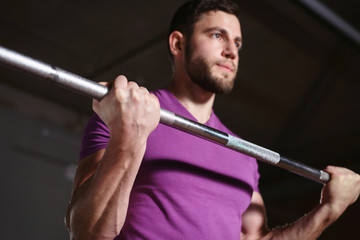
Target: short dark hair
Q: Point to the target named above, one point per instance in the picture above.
(189, 13)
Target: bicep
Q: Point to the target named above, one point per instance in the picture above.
(254, 218)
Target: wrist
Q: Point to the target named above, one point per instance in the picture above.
(128, 139)
(127, 147)
(330, 211)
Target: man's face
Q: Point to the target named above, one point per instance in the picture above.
(211, 54)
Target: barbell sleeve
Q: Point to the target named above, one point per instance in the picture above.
(97, 91)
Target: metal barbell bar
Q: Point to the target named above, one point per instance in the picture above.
(97, 91)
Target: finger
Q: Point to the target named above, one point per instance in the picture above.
(155, 100)
(120, 82)
(329, 169)
(338, 170)
(133, 85)
(104, 83)
(144, 90)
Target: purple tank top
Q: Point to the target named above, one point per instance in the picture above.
(187, 187)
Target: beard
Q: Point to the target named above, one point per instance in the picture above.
(199, 70)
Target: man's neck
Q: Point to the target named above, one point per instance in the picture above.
(196, 100)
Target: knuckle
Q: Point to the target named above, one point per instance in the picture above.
(143, 89)
(119, 82)
(120, 94)
(154, 99)
(121, 77)
(135, 95)
(132, 84)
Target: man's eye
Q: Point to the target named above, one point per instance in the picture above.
(238, 45)
(217, 35)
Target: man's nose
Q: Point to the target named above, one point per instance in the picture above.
(230, 50)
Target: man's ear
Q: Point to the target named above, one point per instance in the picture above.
(176, 43)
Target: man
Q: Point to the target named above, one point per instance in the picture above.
(140, 180)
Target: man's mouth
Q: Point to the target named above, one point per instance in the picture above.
(226, 66)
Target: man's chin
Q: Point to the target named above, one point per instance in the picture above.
(225, 85)
(219, 89)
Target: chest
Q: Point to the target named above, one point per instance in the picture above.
(173, 156)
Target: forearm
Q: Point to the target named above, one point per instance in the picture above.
(342, 191)
(99, 207)
(100, 200)
(308, 227)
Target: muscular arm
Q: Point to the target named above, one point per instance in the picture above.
(337, 195)
(104, 179)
